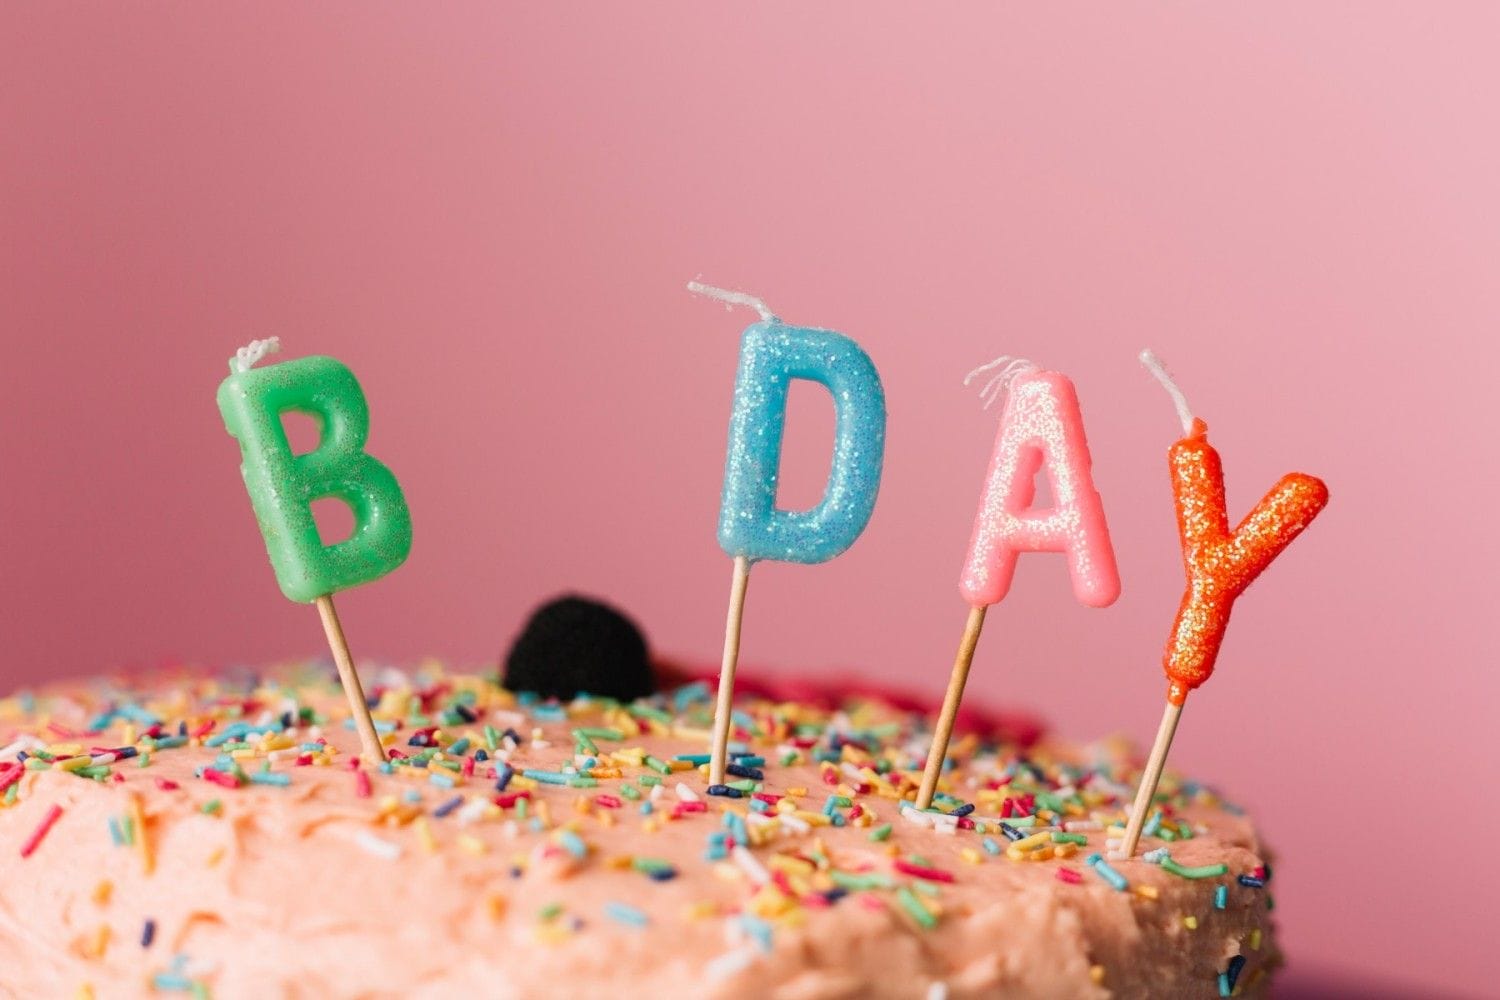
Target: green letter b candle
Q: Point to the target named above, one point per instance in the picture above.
(283, 485)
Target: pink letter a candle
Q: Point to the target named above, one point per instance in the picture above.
(1041, 431)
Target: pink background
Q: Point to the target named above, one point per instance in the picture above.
(491, 217)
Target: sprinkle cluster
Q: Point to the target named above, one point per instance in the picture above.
(816, 814)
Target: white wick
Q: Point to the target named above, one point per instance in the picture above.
(245, 358)
(999, 382)
(732, 298)
(1155, 367)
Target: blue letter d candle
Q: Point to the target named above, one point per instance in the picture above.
(750, 525)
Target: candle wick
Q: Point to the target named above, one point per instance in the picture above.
(1155, 367)
(732, 298)
(245, 358)
(999, 382)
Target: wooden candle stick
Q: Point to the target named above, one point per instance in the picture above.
(1151, 777)
(359, 709)
(724, 706)
(944, 729)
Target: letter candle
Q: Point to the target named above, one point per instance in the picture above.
(283, 485)
(1041, 429)
(751, 527)
(1219, 563)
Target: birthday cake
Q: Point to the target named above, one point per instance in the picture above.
(218, 835)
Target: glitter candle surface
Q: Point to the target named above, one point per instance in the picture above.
(1220, 564)
(283, 485)
(750, 525)
(1042, 429)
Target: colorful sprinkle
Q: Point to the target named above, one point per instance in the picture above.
(624, 913)
(1106, 872)
(377, 846)
(922, 871)
(1202, 871)
(913, 906)
(34, 840)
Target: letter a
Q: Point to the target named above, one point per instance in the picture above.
(1041, 430)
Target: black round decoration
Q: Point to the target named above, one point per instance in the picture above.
(574, 645)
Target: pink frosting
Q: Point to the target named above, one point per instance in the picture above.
(317, 890)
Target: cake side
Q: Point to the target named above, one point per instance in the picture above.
(220, 836)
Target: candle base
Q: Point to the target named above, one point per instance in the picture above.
(724, 707)
(944, 729)
(369, 739)
(1150, 778)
